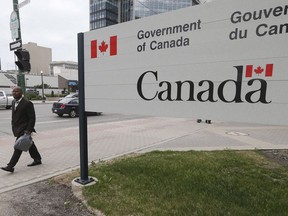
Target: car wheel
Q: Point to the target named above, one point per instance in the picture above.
(72, 113)
(60, 115)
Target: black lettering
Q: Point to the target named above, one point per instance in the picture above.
(140, 34)
(167, 91)
(140, 83)
(153, 45)
(262, 91)
(179, 90)
(210, 91)
(238, 87)
(267, 13)
(263, 32)
(236, 17)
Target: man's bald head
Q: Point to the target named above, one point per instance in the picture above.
(17, 92)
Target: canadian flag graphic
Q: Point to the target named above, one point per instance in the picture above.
(259, 70)
(104, 46)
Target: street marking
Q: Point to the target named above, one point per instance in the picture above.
(48, 122)
(235, 133)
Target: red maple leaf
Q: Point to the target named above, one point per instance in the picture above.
(103, 47)
(258, 70)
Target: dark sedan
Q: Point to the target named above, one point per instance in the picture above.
(68, 106)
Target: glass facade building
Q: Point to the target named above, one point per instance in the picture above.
(103, 13)
(144, 8)
(109, 12)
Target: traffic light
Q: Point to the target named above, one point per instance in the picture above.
(23, 62)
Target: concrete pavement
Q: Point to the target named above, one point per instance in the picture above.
(60, 147)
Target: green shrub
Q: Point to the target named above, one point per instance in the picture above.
(55, 95)
(33, 96)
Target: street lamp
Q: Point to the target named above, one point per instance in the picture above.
(43, 99)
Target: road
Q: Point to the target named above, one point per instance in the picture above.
(46, 120)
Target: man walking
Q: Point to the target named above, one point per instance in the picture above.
(23, 121)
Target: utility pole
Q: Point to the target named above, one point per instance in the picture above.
(20, 75)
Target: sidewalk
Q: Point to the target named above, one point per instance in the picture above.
(46, 101)
(60, 147)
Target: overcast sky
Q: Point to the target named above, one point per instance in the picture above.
(50, 23)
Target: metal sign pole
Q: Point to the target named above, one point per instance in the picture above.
(84, 179)
(20, 76)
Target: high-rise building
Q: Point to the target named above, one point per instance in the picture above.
(144, 8)
(109, 12)
(103, 13)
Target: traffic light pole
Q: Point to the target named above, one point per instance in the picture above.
(20, 75)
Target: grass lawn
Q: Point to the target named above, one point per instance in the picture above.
(190, 183)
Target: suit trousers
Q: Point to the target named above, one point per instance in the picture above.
(33, 151)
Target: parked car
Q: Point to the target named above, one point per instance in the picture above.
(6, 99)
(68, 106)
(32, 91)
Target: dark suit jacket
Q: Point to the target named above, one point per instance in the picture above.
(23, 117)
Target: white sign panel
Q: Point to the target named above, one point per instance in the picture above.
(15, 45)
(22, 4)
(14, 25)
(224, 60)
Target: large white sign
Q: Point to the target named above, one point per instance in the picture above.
(224, 60)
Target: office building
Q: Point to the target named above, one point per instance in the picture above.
(109, 12)
(67, 72)
(40, 58)
(63, 67)
(144, 8)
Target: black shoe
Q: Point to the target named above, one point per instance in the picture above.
(35, 163)
(8, 169)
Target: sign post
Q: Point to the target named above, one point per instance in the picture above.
(16, 34)
(84, 179)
